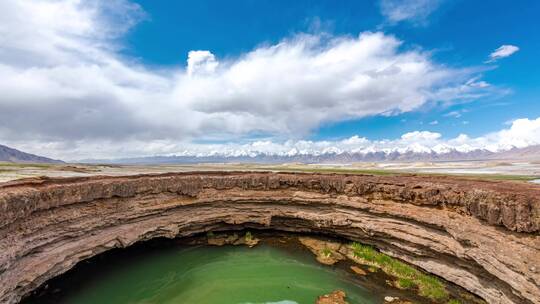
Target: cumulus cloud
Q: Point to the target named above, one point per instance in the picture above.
(415, 11)
(521, 133)
(502, 52)
(201, 62)
(65, 86)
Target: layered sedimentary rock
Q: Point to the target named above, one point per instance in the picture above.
(481, 235)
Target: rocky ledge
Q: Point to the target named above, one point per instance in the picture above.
(335, 297)
(481, 235)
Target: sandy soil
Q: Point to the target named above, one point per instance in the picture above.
(528, 171)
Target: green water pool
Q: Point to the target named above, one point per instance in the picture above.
(217, 275)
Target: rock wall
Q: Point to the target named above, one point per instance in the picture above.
(481, 235)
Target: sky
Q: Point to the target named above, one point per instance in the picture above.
(126, 78)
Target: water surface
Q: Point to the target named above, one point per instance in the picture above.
(217, 275)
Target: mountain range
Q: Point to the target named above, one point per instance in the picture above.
(528, 153)
(8, 154)
(11, 155)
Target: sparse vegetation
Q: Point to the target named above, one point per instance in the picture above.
(405, 283)
(25, 165)
(469, 298)
(454, 301)
(326, 252)
(248, 236)
(408, 276)
(509, 177)
(210, 234)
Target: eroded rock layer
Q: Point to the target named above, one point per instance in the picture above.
(481, 235)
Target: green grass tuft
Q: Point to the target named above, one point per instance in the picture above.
(431, 287)
(248, 236)
(408, 276)
(364, 252)
(405, 283)
(326, 252)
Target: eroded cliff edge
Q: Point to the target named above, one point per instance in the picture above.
(481, 235)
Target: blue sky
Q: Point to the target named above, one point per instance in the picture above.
(459, 33)
(143, 77)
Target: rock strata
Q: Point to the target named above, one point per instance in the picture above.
(234, 239)
(481, 235)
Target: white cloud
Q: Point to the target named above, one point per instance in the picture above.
(522, 133)
(202, 62)
(454, 114)
(415, 11)
(434, 122)
(65, 88)
(503, 51)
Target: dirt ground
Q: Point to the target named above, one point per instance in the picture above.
(507, 170)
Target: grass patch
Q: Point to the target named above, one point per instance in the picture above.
(25, 165)
(248, 236)
(454, 301)
(404, 283)
(326, 252)
(365, 252)
(431, 287)
(383, 172)
(408, 276)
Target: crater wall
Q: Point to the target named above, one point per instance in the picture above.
(481, 235)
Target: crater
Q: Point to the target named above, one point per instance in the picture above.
(451, 228)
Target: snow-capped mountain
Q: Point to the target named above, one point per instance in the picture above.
(406, 155)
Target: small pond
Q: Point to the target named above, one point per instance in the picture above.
(279, 270)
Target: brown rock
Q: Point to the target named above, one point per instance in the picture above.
(233, 239)
(336, 297)
(396, 300)
(358, 270)
(217, 241)
(327, 252)
(250, 242)
(482, 235)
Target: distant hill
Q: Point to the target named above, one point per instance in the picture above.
(529, 153)
(11, 155)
